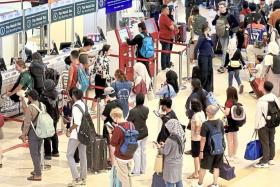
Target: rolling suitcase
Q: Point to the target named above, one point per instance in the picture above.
(257, 86)
(181, 37)
(158, 181)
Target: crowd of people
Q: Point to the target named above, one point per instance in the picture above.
(250, 41)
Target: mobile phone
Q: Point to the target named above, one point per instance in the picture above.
(156, 113)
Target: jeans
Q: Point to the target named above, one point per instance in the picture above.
(177, 184)
(266, 137)
(35, 144)
(224, 43)
(165, 57)
(51, 144)
(139, 157)
(234, 73)
(235, 11)
(188, 13)
(73, 144)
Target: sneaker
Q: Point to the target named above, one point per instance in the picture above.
(55, 154)
(241, 87)
(84, 182)
(271, 162)
(261, 165)
(134, 174)
(74, 183)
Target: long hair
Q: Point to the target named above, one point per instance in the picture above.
(104, 49)
(197, 88)
(232, 94)
(172, 79)
(120, 76)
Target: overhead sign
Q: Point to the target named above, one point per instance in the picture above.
(84, 7)
(36, 17)
(101, 4)
(62, 10)
(11, 23)
(117, 5)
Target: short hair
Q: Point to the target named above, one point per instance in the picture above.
(21, 63)
(140, 99)
(196, 105)
(166, 102)
(142, 26)
(116, 113)
(268, 86)
(212, 110)
(223, 3)
(77, 93)
(204, 27)
(245, 4)
(83, 58)
(37, 57)
(163, 7)
(253, 6)
(75, 54)
(276, 5)
(260, 58)
(33, 94)
(195, 10)
(88, 42)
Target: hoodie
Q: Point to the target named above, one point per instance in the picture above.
(37, 72)
(262, 108)
(49, 97)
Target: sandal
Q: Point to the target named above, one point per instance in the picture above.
(33, 178)
(192, 177)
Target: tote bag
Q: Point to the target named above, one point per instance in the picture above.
(253, 149)
(158, 168)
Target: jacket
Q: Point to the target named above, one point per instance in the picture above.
(29, 116)
(232, 21)
(37, 70)
(204, 47)
(236, 57)
(137, 40)
(262, 108)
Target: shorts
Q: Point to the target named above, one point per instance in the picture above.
(253, 52)
(195, 146)
(211, 161)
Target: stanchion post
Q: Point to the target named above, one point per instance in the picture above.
(98, 116)
(188, 65)
(181, 70)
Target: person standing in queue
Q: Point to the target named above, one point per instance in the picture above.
(166, 27)
(138, 40)
(204, 53)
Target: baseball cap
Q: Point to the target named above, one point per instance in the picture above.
(109, 91)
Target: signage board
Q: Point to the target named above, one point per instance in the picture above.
(117, 5)
(36, 16)
(83, 7)
(62, 10)
(11, 23)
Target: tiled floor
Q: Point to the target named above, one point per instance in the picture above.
(17, 163)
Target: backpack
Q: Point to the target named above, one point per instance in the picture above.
(37, 70)
(147, 50)
(52, 74)
(44, 126)
(216, 139)
(129, 144)
(238, 114)
(276, 64)
(198, 22)
(87, 131)
(83, 79)
(273, 115)
(221, 30)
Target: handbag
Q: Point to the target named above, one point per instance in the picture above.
(158, 167)
(253, 149)
(140, 88)
(234, 63)
(226, 171)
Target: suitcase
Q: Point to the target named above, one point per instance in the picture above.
(181, 37)
(97, 155)
(158, 181)
(257, 86)
(217, 47)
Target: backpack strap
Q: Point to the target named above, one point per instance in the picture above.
(81, 109)
(36, 107)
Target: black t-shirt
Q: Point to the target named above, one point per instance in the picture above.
(164, 133)
(205, 131)
(108, 108)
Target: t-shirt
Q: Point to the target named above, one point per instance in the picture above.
(123, 89)
(205, 131)
(231, 122)
(164, 28)
(26, 80)
(197, 117)
(77, 116)
(255, 32)
(274, 16)
(108, 108)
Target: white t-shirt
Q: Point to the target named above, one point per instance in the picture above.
(77, 118)
(197, 117)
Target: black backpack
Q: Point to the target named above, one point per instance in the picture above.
(276, 64)
(273, 115)
(87, 131)
(52, 74)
